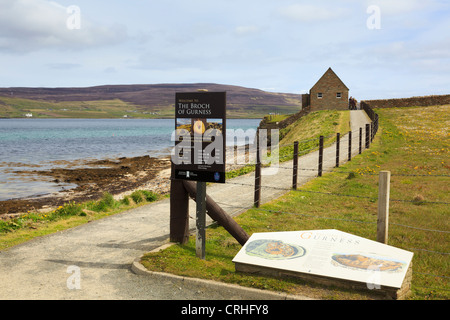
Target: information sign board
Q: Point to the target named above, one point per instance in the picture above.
(200, 141)
(327, 253)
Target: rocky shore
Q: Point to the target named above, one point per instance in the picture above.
(119, 177)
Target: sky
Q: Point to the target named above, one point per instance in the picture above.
(379, 48)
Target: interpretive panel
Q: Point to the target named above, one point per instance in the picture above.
(200, 127)
(329, 253)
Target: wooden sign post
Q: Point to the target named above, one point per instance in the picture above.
(200, 220)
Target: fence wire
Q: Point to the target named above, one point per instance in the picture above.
(343, 153)
(336, 194)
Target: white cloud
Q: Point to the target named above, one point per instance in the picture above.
(63, 66)
(285, 45)
(395, 7)
(311, 13)
(29, 25)
(246, 30)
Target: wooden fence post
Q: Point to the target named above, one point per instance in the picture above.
(375, 121)
(295, 166)
(367, 136)
(371, 131)
(360, 140)
(349, 146)
(383, 206)
(320, 155)
(337, 149)
(257, 195)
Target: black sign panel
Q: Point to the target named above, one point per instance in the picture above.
(200, 126)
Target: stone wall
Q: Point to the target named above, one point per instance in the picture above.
(424, 101)
(265, 124)
(305, 100)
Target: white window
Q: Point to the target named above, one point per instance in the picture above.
(338, 95)
(319, 95)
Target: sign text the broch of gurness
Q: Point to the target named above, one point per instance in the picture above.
(200, 123)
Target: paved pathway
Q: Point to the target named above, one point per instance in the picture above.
(104, 250)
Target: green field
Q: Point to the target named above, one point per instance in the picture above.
(116, 108)
(412, 143)
(17, 107)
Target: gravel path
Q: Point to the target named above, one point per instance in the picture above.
(100, 253)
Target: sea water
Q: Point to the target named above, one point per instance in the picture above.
(41, 144)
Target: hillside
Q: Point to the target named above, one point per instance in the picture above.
(138, 101)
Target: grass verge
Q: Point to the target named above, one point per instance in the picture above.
(325, 123)
(71, 214)
(413, 143)
(308, 129)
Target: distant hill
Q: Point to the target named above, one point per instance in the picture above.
(138, 101)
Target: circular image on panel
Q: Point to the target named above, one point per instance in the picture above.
(199, 127)
(274, 250)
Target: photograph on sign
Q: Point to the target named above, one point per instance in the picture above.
(200, 141)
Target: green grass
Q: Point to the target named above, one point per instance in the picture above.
(272, 118)
(34, 224)
(308, 129)
(260, 111)
(315, 124)
(412, 143)
(139, 196)
(239, 172)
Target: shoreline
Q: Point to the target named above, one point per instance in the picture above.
(118, 176)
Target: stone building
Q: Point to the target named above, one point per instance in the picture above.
(329, 93)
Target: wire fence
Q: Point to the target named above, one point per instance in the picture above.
(317, 145)
(329, 160)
